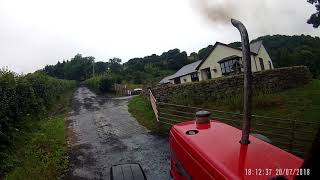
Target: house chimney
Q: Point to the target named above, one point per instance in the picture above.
(246, 57)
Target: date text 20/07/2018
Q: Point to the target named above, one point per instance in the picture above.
(277, 172)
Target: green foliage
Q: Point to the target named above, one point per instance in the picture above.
(204, 51)
(294, 50)
(24, 96)
(141, 109)
(81, 68)
(78, 68)
(300, 103)
(93, 83)
(26, 100)
(115, 65)
(48, 89)
(151, 69)
(284, 51)
(315, 18)
(39, 151)
(103, 83)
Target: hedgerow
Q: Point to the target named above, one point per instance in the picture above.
(102, 83)
(24, 96)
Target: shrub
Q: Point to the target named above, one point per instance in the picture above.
(103, 83)
(22, 96)
(8, 102)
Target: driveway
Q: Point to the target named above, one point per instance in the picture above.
(103, 133)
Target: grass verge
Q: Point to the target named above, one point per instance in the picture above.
(40, 150)
(141, 109)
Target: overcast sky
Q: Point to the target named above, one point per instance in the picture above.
(34, 33)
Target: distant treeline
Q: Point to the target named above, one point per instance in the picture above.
(138, 70)
(284, 51)
(23, 97)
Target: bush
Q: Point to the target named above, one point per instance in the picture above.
(23, 96)
(103, 83)
(8, 102)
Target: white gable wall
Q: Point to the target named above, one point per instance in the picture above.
(185, 79)
(266, 58)
(216, 55)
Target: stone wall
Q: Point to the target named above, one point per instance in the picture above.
(269, 81)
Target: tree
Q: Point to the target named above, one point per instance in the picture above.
(315, 18)
(204, 51)
(78, 68)
(294, 50)
(115, 65)
(193, 57)
(152, 69)
(101, 67)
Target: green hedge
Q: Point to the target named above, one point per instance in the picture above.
(26, 96)
(103, 83)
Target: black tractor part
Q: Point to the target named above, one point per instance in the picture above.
(127, 172)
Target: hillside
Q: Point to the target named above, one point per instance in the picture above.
(284, 51)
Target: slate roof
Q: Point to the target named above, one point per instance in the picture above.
(255, 46)
(165, 80)
(187, 69)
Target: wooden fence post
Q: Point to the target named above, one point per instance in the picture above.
(153, 102)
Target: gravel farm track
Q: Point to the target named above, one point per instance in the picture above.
(103, 133)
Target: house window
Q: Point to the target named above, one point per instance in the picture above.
(270, 65)
(231, 67)
(177, 81)
(261, 64)
(184, 80)
(194, 77)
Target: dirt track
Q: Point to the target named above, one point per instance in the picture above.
(102, 133)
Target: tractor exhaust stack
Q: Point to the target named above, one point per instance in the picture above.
(246, 58)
